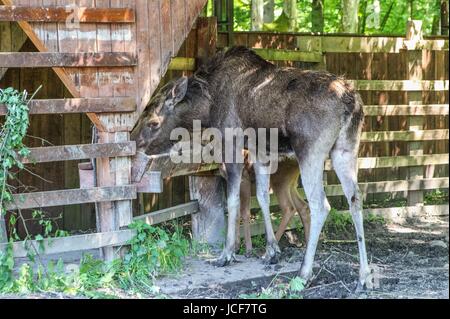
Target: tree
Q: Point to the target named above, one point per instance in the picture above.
(350, 16)
(290, 10)
(269, 11)
(257, 15)
(317, 16)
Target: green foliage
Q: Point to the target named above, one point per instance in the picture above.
(391, 20)
(12, 134)
(290, 290)
(153, 252)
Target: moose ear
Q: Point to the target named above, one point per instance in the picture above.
(178, 91)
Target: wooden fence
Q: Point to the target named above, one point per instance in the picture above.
(404, 84)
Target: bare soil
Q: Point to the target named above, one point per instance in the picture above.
(410, 260)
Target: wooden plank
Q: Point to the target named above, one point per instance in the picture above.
(79, 152)
(341, 44)
(406, 136)
(397, 161)
(74, 243)
(376, 187)
(72, 60)
(80, 105)
(392, 186)
(63, 14)
(289, 55)
(182, 64)
(167, 214)
(396, 110)
(72, 197)
(400, 85)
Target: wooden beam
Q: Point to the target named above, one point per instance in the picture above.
(71, 197)
(63, 14)
(397, 161)
(182, 64)
(79, 152)
(405, 110)
(73, 243)
(407, 136)
(167, 214)
(288, 55)
(400, 85)
(349, 44)
(68, 60)
(80, 105)
(376, 187)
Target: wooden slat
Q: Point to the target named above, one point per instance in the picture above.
(400, 85)
(346, 44)
(376, 187)
(397, 161)
(73, 243)
(392, 186)
(80, 105)
(167, 214)
(63, 14)
(79, 152)
(68, 60)
(288, 55)
(72, 197)
(404, 110)
(427, 135)
(182, 64)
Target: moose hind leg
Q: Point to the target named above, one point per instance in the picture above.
(345, 165)
(312, 179)
(234, 176)
(262, 174)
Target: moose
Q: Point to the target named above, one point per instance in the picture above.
(317, 113)
(284, 185)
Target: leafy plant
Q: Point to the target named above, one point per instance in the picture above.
(290, 290)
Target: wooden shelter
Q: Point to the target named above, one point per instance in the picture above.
(110, 57)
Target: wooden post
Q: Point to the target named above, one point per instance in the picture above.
(113, 216)
(415, 123)
(208, 225)
(3, 233)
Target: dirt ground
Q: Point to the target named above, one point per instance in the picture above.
(410, 260)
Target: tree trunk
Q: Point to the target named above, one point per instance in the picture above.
(317, 16)
(269, 11)
(350, 16)
(257, 15)
(290, 9)
(444, 17)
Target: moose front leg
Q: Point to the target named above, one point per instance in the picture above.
(234, 176)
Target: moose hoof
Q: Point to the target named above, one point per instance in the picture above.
(365, 283)
(272, 255)
(249, 253)
(222, 261)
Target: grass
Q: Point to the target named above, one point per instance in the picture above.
(153, 252)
